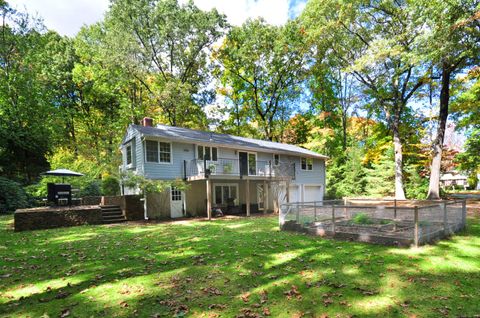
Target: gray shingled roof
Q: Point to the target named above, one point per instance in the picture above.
(204, 137)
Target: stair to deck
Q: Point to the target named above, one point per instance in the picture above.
(112, 214)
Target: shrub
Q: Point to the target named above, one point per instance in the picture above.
(12, 196)
(361, 218)
(110, 186)
(92, 189)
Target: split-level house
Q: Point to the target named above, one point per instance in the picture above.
(223, 172)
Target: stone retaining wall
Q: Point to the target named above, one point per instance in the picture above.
(47, 217)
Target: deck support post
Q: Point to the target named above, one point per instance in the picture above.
(247, 193)
(264, 194)
(416, 230)
(209, 200)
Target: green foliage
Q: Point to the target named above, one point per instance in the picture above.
(110, 186)
(380, 177)
(12, 196)
(165, 44)
(135, 181)
(346, 174)
(261, 68)
(91, 189)
(416, 185)
(362, 218)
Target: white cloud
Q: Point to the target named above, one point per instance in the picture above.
(64, 16)
(68, 16)
(273, 11)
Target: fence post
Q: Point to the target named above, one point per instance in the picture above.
(415, 219)
(333, 218)
(298, 212)
(315, 211)
(394, 209)
(464, 213)
(345, 207)
(443, 207)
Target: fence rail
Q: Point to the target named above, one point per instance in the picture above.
(415, 222)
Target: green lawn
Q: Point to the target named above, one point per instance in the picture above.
(228, 268)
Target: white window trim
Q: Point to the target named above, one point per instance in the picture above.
(158, 143)
(131, 164)
(224, 185)
(248, 163)
(211, 152)
(306, 164)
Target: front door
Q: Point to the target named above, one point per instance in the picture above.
(243, 158)
(176, 203)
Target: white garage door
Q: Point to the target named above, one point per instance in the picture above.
(293, 195)
(313, 193)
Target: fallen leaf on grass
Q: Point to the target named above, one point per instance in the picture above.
(293, 292)
(62, 295)
(217, 306)
(263, 296)
(266, 311)
(245, 297)
(65, 313)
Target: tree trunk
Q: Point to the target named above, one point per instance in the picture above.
(434, 186)
(397, 143)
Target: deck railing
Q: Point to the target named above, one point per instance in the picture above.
(231, 167)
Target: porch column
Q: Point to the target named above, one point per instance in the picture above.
(209, 200)
(247, 193)
(265, 205)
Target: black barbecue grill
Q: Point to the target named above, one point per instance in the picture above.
(59, 193)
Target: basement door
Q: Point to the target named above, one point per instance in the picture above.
(177, 198)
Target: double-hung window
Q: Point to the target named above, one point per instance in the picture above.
(128, 154)
(157, 151)
(207, 153)
(307, 164)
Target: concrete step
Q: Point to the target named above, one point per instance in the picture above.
(110, 221)
(116, 212)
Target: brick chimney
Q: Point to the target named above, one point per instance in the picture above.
(147, 122)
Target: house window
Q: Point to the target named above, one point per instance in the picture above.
(252, 164)
(307, 164)
(276, 159)
(207, 153)
(151, 150)
(128, 151)
(176, 194)
(158, 151)
(165, 155)
(225, 194)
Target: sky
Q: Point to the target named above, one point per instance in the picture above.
(68, 16)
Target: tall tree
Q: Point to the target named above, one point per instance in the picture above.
(263, 66)
(165, 45)
(452, 42)
(373, 41)
(26, 111)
